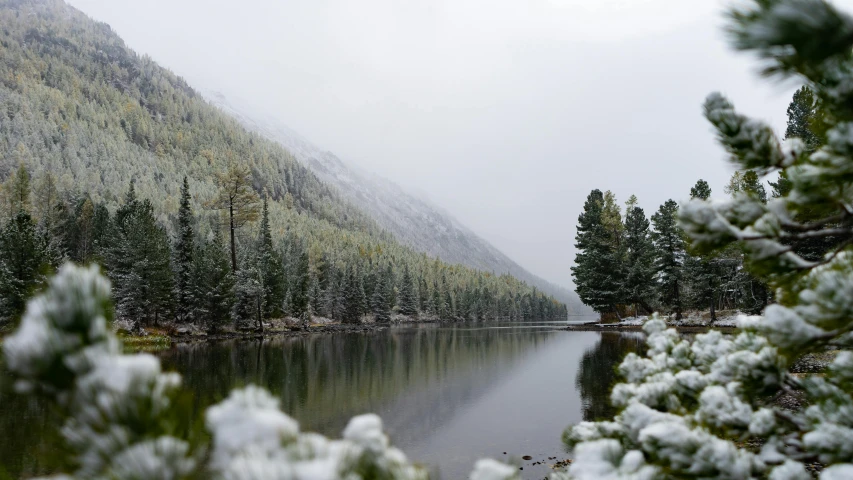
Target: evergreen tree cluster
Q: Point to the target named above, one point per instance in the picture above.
(628, 265)
(191, 277)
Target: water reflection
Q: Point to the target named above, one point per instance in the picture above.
(598, 371)
(448, 395)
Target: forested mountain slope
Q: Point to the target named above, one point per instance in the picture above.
(95, 143)
(413, 221)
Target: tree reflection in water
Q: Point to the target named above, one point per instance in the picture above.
(598, 375)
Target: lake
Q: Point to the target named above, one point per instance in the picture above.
(448, 394)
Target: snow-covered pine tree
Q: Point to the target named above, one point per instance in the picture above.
(408, 297)
(352, 298)
(669, 257)
(300, 285)
(694, 408)
(139, 261)
(248, 298)
(379, 302)
(703, 274)
(184, 247)
(24, 264)
(213, 284)
(597, 269)
(270, 265)
(363, 303)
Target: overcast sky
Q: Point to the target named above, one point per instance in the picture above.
(504, 112)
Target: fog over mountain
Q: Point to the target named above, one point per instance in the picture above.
(412, 220)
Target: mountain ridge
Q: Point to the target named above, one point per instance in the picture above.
(413, 220)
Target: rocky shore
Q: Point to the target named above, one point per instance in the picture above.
(163, 336)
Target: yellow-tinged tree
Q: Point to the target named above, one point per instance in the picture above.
(238, 197)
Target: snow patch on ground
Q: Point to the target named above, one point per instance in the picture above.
(725, 318)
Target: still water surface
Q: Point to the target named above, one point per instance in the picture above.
(448, 394)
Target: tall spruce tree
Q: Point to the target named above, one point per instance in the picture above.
(597, 270)
(184, 249)
(271, 268)
(669, 256)
(248, 308)
(213, 284)
(639, 281)
(379, 301)
(300, 285)
(408, 297)
(352, 301)
(24, 264)
(703, 273)
(139, 263)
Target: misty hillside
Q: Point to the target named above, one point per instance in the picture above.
(84, 116)
(413, 221)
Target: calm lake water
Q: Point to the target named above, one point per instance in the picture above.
(448, 394)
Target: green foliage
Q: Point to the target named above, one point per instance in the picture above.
(139, 263)
(597, 272)
(669, 256)
(701, 190)
(379, 301)
(24, 263)
(213, 284)
(184, 249)
(639, 282)
(408, 298)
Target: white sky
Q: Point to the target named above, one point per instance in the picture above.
(504, 112)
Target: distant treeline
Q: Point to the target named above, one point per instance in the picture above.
(244, 276)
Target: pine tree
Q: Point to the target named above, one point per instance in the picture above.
(18, 186)
(598, 270)
(270, 265)
(139, 263)
(184, 265)
(703, 274)
(638, 287)
(408, 297)
(213, 285)
(805, 119)
(23, 264)
(669, 252)
(379, 302)
(363, 305)
(436, 303)
(238, 198)
(352, 299)
(701, 190)
(391, 287)
(747, 182)
(247, 311)
(301, 286)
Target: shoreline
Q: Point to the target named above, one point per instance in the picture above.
(616, 327)
(164, 337)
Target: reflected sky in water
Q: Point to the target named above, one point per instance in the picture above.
(448, 394)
